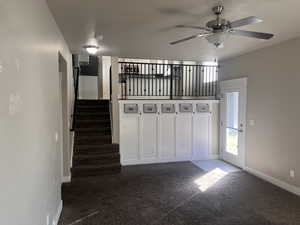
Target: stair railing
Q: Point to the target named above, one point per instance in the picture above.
(76, 73)
(167, 81)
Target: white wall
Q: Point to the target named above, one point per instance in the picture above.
(88, 87)
(115, 99)
(30, 163)
(273, 103)
(105, 76)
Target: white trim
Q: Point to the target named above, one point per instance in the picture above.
(214, 156)
(66, 179)
(288, 187)
(166, 160)
(159, 101)
(58, 213)
(241, 85)
(72, 133)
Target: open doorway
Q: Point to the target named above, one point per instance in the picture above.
(63, 116)
(233, 121)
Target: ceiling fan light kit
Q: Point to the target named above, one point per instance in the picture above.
(91, 49)
(218, 30)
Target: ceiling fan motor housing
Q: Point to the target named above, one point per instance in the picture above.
(218, 25)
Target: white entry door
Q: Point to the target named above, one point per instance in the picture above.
(233, 121)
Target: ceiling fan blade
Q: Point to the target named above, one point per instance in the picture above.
(194, 27)
(252, 34)
(245, 21)
(189, 38)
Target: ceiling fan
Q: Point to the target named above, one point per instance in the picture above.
(216, 31)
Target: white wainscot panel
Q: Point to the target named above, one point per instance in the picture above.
(129, 138)
(148, 136)
(166, 136)
(184, 136)
(201, 136)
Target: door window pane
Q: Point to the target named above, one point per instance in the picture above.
(232, 106)
(232, 141)
(232, 122)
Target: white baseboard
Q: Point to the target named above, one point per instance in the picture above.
(58, 212)
(125, 162)
(288, 187)
(214, 156)
(72, 148)
(66, 179)
(150, 161)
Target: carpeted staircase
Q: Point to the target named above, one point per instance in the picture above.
(94, 153)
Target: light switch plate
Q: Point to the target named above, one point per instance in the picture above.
(251, 123)
(56, 137)
(292, 173)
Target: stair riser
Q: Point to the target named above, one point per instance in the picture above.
(93, 143)
(95, 172)
(91, 137)
(82, 149)
(94, 130)
(92, 117)
(95, 153)
(80, 102)
(95, 161)
(92, 113)
(92, 134)
(96, 142)
(93, 107)
(92, 125)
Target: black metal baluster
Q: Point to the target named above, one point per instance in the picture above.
(197, 81)
(156, 80)
(140, 79)
(160, 76)
(163, 76)
(202, 80)
(145, 79)
(171, 83)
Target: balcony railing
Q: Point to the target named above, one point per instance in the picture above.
(167, 81)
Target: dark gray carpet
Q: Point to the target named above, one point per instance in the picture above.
(165, 194)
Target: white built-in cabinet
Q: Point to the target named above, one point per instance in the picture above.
(164, 137)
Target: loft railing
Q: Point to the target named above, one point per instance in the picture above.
(76, 74)
(170, 81)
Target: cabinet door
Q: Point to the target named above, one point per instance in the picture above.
(201, 135)
(148, 136)
(166, 134)
(184, 136)
(129, 137)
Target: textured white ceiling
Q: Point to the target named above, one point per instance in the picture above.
(144, 28)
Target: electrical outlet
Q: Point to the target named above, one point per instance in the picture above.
(292, 173)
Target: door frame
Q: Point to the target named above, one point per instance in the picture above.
(241, 86)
